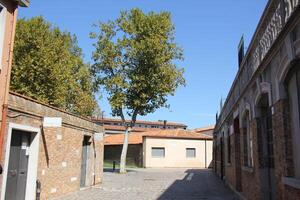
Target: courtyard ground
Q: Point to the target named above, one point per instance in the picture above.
(161, 184)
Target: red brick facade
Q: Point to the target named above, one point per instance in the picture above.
(260, 89)
(59, 149)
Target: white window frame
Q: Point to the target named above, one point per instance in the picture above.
(2, 32)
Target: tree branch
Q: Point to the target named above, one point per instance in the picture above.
(133, 119)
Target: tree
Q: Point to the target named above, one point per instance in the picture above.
(134, 62)
(48, 66)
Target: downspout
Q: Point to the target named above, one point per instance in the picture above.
(6, 92)
(205, 155)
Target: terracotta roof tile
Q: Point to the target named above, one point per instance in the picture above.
(137, 138)
(203, 129)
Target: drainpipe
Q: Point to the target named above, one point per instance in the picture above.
(6, 92)
(205, 155)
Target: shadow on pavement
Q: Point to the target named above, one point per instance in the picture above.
(198, 184)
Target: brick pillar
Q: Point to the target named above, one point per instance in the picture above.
(256, 192)
(283, 153)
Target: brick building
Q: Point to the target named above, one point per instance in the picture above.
(115, 126)
(61, 151)
(257, 134)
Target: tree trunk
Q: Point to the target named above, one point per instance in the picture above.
(124, 151)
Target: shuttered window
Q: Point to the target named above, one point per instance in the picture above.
(158, 152)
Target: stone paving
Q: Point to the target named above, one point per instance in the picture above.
(160, 184)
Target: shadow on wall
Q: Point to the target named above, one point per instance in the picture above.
(134, 155)
(198, 184)
(210, 166)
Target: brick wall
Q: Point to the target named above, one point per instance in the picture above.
(283, 153)
(250, 175)
(230, 167)
(60, 148)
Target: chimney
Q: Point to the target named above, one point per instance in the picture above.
(165, 124)
(241, 51)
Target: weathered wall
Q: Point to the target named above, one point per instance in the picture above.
(60, 148)
(175, 152)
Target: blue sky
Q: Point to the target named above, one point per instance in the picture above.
(208, 31)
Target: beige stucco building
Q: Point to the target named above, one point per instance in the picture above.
(163, 148)
(177, 152)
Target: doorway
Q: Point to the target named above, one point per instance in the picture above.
(84, 160)
(21, 160)
(265, 145)
(17, 165)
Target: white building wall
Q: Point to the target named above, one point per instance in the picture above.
(175, 152)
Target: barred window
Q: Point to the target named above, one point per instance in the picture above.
(228, 147)
(247, 141)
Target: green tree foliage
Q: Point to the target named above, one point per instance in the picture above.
(134, 61)
(48, 66)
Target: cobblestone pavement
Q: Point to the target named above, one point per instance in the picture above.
(161, 184)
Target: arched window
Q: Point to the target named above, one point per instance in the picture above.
(293, 87)
(247, 141)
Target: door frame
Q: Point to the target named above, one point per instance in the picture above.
(32, 161)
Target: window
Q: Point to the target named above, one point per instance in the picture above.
(228, 147)
(2, 31)
(247, 141)
(190, 152)
(158, 152)
(293, 86)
